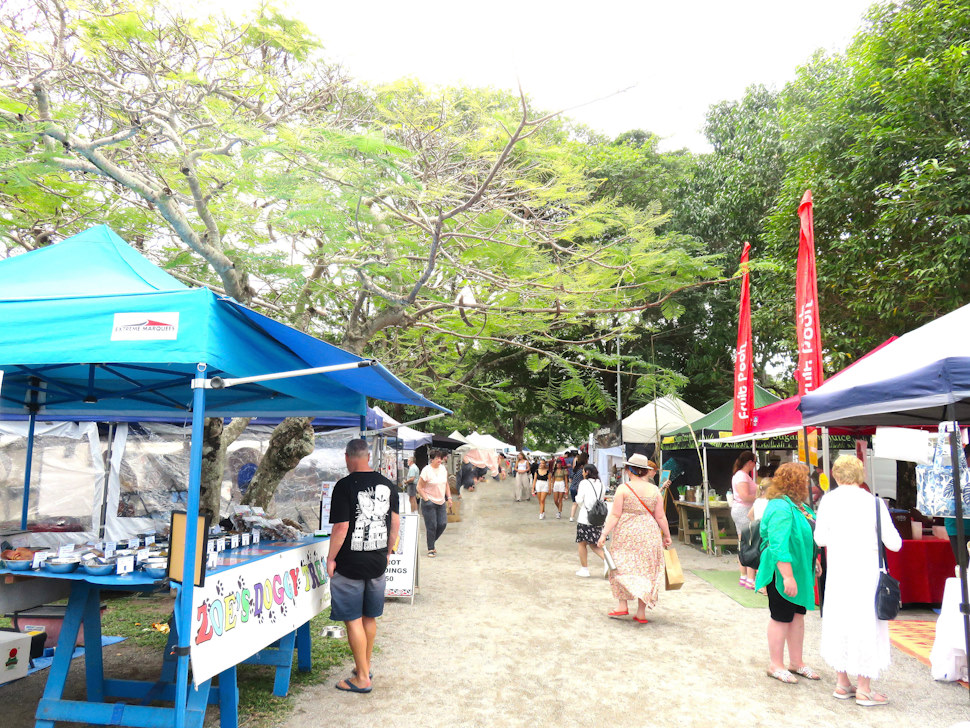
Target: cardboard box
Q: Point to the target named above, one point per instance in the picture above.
(14, 656)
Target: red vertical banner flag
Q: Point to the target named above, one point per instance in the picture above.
(808, 332)
(743, 371)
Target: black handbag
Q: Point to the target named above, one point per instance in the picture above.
(750, 549)
(596, 514)
(888, 598)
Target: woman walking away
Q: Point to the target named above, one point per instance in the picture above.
(786, 570)
(590, 490)
(854, 639)
(540, 485)
(745, 493)
(522, 479)
(434, 492)
(560, 483)
(581, 460)
(640, 534)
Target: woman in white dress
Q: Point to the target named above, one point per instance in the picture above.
(854, 640)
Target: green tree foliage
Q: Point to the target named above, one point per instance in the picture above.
(435, 229)
(880, 134)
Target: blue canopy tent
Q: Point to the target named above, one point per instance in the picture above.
(921, 378)
(92, 328)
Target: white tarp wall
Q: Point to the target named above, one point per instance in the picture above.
(66, 482)
(147, 478)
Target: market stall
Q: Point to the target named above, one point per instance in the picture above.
(91, 328)
(922, 378)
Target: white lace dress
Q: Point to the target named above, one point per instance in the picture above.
(853, 640)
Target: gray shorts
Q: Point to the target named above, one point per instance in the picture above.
(352, 599)
(412, 489)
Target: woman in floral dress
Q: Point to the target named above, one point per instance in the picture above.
(640, 534)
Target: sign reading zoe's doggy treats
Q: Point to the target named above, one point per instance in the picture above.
(245, 608)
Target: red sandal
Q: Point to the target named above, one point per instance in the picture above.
(617, 615)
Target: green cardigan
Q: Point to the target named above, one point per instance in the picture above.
(789, 539)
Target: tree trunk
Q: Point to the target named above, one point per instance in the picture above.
(216, 438)
(291, 441)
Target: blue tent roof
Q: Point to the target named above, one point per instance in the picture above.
(102, 331)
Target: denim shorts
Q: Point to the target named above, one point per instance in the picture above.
(352, 599)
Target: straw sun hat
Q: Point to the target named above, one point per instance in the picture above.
(640, 461)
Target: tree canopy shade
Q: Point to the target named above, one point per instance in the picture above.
(431, 228)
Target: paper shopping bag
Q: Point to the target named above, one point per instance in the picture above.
(674, 574)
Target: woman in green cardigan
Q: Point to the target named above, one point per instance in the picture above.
(786, 570)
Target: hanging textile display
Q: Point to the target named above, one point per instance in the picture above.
(934, 483)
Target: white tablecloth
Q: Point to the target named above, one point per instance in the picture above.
(948, 658)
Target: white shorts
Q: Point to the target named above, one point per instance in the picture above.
(542, 486)
(559, 487)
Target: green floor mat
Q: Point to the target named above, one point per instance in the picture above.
(727, 582)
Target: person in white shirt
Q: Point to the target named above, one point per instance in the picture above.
(434, 492)
(590, 490)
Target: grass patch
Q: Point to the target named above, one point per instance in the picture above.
(132, 617)
(258, 707)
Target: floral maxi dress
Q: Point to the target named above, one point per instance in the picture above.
(637, 551)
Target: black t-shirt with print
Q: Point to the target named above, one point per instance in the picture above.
(365, 501)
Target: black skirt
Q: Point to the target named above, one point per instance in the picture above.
(587, 533)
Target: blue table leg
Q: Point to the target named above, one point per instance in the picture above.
(281, 686)
(93, 658)
(304, 657)
(228, 699)
(54, 689)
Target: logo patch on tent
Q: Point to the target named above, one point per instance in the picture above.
(152, 326)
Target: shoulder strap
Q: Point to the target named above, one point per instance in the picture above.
(638, 498)
(880, 546)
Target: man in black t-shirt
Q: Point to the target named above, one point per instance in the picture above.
(364, 514)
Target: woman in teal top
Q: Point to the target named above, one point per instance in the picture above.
(786, 570)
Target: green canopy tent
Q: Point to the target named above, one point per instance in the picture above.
(714, 424)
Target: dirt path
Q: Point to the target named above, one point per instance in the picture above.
(502, 633)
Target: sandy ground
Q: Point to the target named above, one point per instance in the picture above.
(502, 633)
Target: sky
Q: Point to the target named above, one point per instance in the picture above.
(674, 58)
(670, 60)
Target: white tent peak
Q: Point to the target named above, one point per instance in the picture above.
(657, 418)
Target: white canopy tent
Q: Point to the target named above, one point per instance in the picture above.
(657, 418)
(488, 442)
(458, 436)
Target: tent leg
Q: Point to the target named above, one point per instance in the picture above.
(107, 477)
(955, 443)
(183, 604)
(27, 468)
(711, 548)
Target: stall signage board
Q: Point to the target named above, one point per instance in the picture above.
(400, 577)
(326, 497)
(243, 609)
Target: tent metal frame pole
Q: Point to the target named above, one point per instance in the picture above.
(28, 466)
(826, 456)
(112, 428)
(29, 459)
(955, 444)
(707, 507)
(183, 604)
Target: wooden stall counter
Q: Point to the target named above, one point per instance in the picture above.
(690, 522)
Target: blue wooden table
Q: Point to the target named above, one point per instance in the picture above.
(133, 696)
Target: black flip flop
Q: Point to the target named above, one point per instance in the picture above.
(351, 688)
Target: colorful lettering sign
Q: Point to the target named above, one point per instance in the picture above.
(243, 609)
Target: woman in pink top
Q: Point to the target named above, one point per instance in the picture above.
(434, 492)
(745, 493)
